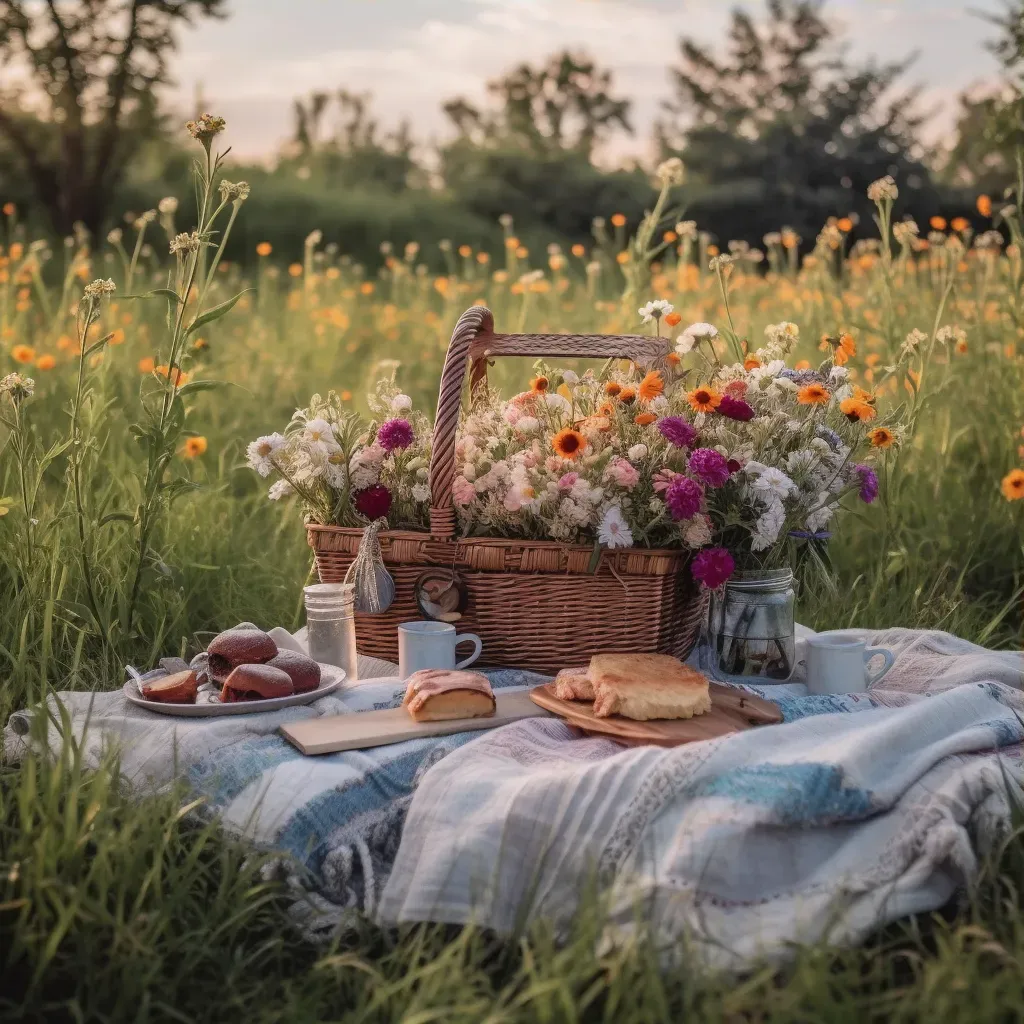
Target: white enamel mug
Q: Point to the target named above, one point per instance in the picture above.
(432, 645)
(837, 663)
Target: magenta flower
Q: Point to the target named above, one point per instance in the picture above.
(712, 567)
(683, 498)
(735, 408)
(395, 434)
(373, 502)
(708, 465)
(677, 431)
(868, 483)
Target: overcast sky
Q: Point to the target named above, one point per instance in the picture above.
(414, 54)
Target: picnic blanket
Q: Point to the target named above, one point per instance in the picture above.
(857, 810)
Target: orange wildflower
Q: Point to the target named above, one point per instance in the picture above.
(645, 419)
(751, 363)
(627, 396)
(612, 388)
(857, 411)
(194, 447)
(813, 394)
(672, 319)
(618, 220)
(465, 251)
(46, 362)
(959, 223)
(651, 386)
(881, 437)
(539, 384)
(578, 250)
(984, 205)
(937, 223)
(673, 359)
(568, 443)
(844, 224)
(23, 353)
(264, 249)
(803, 364)
(606, 410)
(147, 364)
(9, 209)
(295, 269)
(1012, 485)
(704, 399)
(117, 336)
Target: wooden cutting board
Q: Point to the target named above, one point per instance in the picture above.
(363, 729)
(732, 710)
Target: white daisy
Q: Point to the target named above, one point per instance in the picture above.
(319, 435)
(655, 310)
(694, 334)
(280, 489)
(260, 453)
(613, 531)
(421, 492)
(773, 483)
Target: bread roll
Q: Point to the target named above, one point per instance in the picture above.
(255, 682)
(646, 686)
(236, 647)
(178, 688)
(304, 672)
(573, 684)
(438, 695)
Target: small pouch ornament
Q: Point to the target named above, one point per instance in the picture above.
(374, 586)
(441, 595)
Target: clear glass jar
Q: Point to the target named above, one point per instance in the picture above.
(331, 625)
(752, 624)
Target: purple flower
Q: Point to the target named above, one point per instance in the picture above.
(395, 434)
(868, 483)
(708, 465)
(712, 567)
(677, 431)
(683, 497)
(373, 502)
(735, 408)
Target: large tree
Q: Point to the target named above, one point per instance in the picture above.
(77, 98)
(781, 127)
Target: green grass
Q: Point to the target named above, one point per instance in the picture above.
(118, 909)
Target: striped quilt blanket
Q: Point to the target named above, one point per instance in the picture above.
(858, 809)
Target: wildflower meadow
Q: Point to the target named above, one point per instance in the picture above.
(139, 368)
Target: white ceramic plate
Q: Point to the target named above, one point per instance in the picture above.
(209, 706)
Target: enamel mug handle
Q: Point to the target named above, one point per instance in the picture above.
(465, 638)
(889, 657)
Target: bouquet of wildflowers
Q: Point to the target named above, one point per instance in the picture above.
(734, 462)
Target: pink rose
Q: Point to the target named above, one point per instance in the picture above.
(623, 473)
(463, 491)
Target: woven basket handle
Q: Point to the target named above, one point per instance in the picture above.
(474, 340)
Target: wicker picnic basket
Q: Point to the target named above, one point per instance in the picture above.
(534, 604)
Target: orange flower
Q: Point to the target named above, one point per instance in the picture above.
(618, 220)
(578, 250)
(612, 388)
(200, 344)
(857, 411)
(622, 257)
(568, 443)
(366, 288)
(651, 386)
(295, 269)
(713, 250)
(961, 346)
(704, 399)
(147, 365)
(193, 447)
(938, 223)
(117, 336)
(813, 394)
(264, 249)
(881, 437)
(1013, 485)
(984, 205)
(959, 223)
(751, 363)
(844, 224)
(46, 362)
(847, 344)
(66, 343)
(673, 359)
(23, 353)
(670, 236)
(179, 375)
(9, 209)
(627, 396)
(645, 419)
(672, 319)
(465, 251)
(606, 410)
(863, 396)
(346, 396)
(539, 384)
(804, 364)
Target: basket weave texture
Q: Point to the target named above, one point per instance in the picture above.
(534, 604)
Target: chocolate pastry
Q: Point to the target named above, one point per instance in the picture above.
(304, 672)
(236, 647)
(255, 682)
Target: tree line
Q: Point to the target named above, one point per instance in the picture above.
(776, 125)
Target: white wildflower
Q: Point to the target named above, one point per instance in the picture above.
(772, 483)
(838, 373)
(819, 518)
(100, 287)
(658, 405)
(168, 205)
(637, 452)
(186, 242)
(319, 435)
(260, 453)
(421, 492)
(686, 229)
(401, 403)
(280, 489)
(883, 189)
(613, 531)
(671, 171)
(655, 310)
(912, 342)
(571, 377)
(696, 532)
(18, 387)
(693, 335)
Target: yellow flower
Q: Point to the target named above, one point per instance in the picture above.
(813, 394)
(568, 443)
(194, 447)
(23, 353)
(1013, 485)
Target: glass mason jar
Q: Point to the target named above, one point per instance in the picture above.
(331, 625)
(752, 626)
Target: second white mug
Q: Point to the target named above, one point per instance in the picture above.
(432, 645)
(838, 663)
